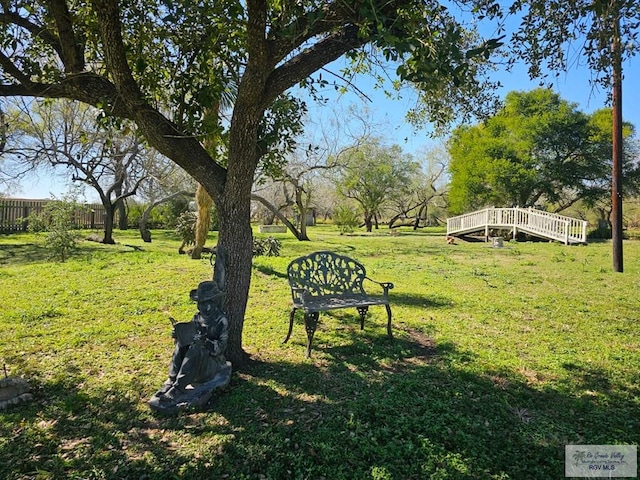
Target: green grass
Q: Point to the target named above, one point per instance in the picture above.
(502, 356)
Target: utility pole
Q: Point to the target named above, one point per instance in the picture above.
(616, 179)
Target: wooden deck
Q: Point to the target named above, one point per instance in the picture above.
(534, 222)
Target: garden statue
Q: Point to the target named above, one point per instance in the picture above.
(198, 366)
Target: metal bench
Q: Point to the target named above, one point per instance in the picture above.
(323, 281)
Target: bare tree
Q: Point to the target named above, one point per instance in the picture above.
(297, 184)
(64, 135)
(427, 188)
(318, 154)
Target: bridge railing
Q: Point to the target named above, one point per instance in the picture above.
(467, 221)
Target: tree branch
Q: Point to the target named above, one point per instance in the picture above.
(71, 52)
(158, 130)
(277, 213)
(310, 60)
(36, 30)
(9, 67)
(108, 15)
(324, 19)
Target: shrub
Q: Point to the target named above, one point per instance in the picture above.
(346, 218)
(57, 223)
(186, 228)
(164, 215)
(269, 247)
(600, 233)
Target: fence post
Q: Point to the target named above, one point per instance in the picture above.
(25, 215)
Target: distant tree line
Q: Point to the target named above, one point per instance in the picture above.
(537, 150)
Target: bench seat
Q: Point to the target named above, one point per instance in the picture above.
(331, 302)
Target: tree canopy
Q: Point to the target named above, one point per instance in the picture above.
(427, 191)
(165, 65)
(554, 35)
(539, 148)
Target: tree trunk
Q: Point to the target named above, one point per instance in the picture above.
(394, 219)
(272, 208)
(236, 239)
(145, 233)
(302, 208)
(368, 222)
(270, 219)
(108, 224)
(234, 207)
(123, 223)
(144, 230)
(303, 226)
(420, 215)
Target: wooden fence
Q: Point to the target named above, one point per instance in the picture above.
(14, 213)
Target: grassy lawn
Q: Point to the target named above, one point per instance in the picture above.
(502, 356)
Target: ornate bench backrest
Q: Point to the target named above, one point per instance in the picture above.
(326, 273)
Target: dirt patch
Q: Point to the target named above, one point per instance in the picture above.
(422, 350)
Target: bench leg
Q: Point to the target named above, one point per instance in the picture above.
(310, 324)
(291, 315)
(363, 313)
(389, 321)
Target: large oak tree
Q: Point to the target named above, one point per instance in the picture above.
(539, 148)
(165, 64)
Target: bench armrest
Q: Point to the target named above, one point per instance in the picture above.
(299, 295)
(386, 286)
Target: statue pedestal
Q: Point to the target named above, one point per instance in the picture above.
(195, 396)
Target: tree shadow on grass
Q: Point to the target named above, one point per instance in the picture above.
(270, 271)
(337, 247)
(428, 301)
(592, 380)
(24, 253)
(30, 253)
(362, 408)
(341, 319)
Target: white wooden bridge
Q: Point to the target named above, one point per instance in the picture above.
(529, 220)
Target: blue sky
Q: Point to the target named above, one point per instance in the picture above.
(573, 86)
